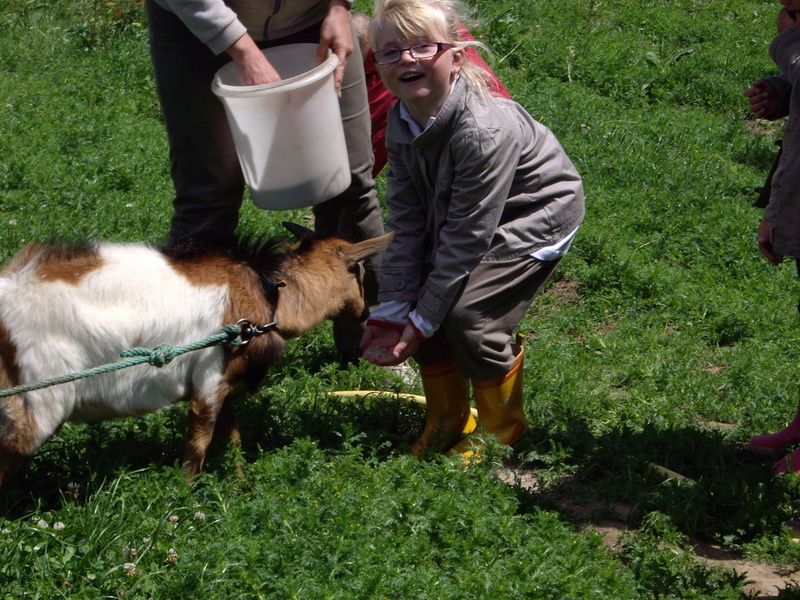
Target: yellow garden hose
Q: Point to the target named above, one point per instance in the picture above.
(365, 393)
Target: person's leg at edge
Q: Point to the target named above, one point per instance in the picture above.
(355, 214)
(204, 165)
(770, 444)
(773, 444)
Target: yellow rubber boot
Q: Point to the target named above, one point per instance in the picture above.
(447, 413)
(500, 411)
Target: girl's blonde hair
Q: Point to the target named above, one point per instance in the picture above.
(430, 19)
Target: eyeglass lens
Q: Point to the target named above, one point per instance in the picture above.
(391, 55)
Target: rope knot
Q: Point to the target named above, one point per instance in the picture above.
(158, 356)
(233, 335)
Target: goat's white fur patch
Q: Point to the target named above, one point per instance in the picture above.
(60, 328)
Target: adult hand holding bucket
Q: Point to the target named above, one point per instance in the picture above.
(288, 134)
(252, 67)
(336, 36)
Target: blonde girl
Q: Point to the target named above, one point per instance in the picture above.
(484, 202)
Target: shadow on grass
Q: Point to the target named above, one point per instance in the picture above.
(269, 419)
(701, 478)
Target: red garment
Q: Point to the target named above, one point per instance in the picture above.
(495, 85)
(381, 99)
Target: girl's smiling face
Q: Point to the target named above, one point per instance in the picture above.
(422, 84)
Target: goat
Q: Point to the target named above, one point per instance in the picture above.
(66, 308)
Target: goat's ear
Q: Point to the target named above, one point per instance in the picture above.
(298, 231)
(367, 248)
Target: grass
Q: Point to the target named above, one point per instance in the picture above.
(662, 322)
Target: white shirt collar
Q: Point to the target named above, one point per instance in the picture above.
(413, 126)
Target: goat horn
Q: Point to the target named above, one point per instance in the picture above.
(367, 248)
(298, 231)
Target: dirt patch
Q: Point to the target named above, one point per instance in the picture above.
(764, 581)
(716, 426)
(565, 291)
(762, 127)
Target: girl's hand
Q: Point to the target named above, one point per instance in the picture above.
(378, 341)
(407, 346)
(337, 36)
(764, 239)
(387, 346)
(252, 66)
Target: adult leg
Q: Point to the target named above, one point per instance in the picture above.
(354, 215)
(205, 169)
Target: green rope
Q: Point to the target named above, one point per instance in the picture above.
(158, 357)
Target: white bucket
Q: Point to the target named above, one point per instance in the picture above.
(288, 134)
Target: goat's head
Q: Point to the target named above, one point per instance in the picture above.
(324, 279)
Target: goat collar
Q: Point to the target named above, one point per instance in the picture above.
(248, 330)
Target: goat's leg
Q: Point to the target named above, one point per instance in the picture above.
(18, 435)
(199, 432)
(9, 462)
(227, 428)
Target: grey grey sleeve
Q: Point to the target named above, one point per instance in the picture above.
(211, 21)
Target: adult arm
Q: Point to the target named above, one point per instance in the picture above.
(252, 66)
(216, 25)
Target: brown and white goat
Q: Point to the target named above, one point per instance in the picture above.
(64, 309)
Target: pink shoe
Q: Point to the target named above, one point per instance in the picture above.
(772, 444)
(788, 464)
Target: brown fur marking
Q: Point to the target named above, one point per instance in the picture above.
(207, 270)
(246, 365)
(17, 435)
(227, 426)
(17, 431)
(9, 369)
(63, 263)
(312, 294)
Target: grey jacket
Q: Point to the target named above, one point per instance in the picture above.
(219, 24)
(484, 181)
(784, 201)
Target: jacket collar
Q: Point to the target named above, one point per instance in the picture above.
(440, 125)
